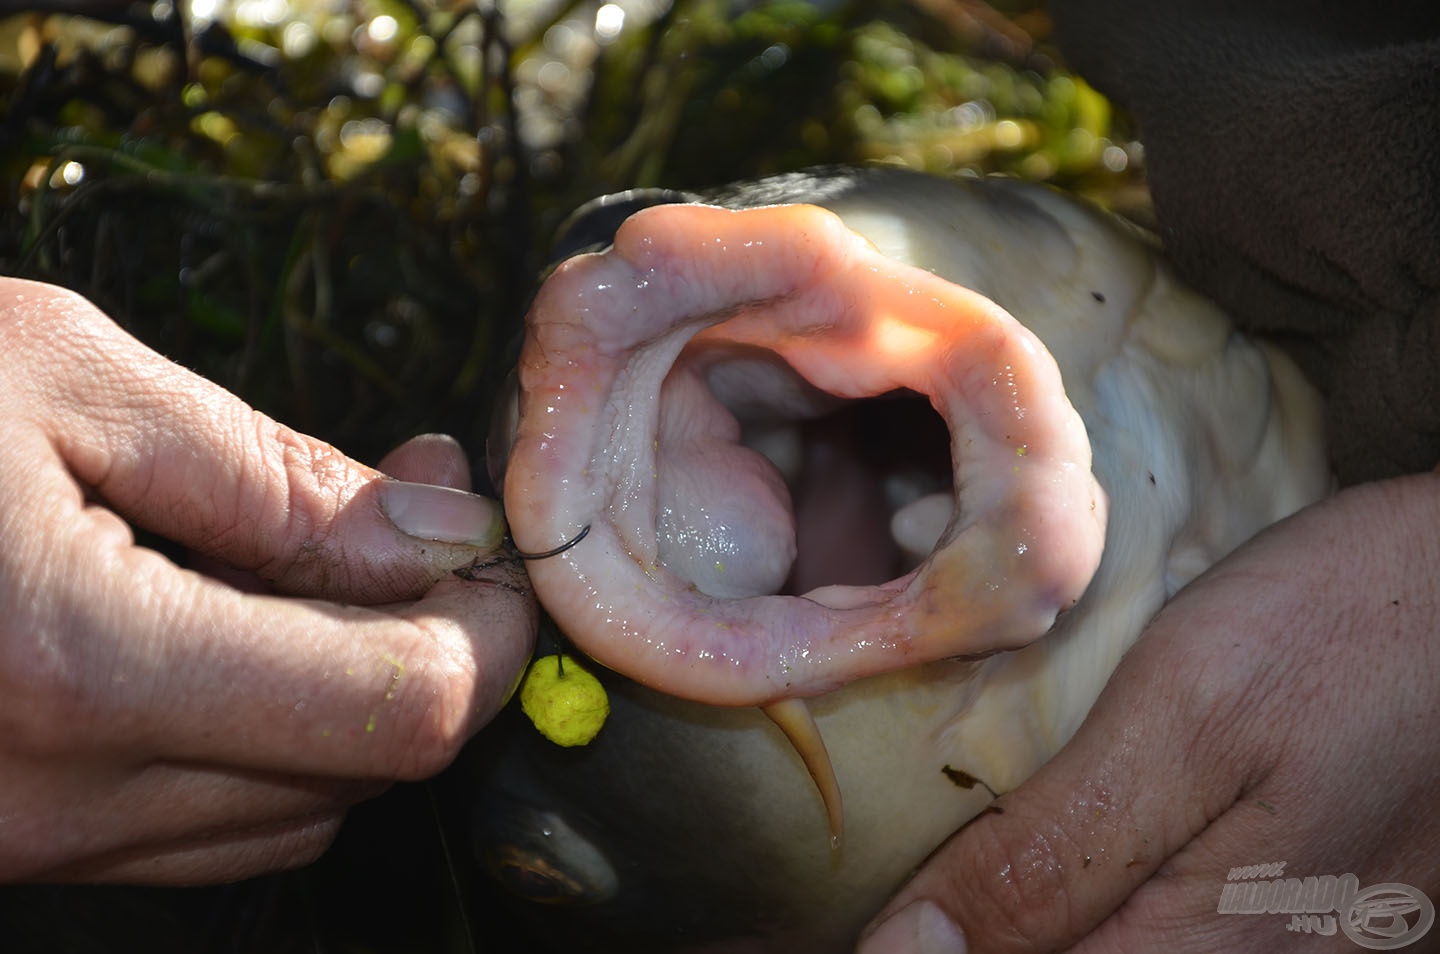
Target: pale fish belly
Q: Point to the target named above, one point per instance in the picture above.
(927, 453)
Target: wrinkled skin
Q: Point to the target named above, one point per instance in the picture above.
(165, 726)
(1296, 685)
(687, 826)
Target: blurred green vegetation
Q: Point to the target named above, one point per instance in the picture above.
(337, 210)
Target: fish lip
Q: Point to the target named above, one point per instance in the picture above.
(883, 627)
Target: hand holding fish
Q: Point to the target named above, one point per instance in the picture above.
(160, 725)
(1279, 709)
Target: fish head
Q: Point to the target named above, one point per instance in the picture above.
(1148, 440)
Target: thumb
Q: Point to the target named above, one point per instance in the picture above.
(1051, 860)
(183, 458)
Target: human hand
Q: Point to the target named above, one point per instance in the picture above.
(1282, 708)
(158, 725)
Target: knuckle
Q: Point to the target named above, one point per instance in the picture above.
(49, 700)
(62, 667)
(319, 477)
(440, 699)
(437, 740)
(288, 847)
(304, 846)
(1223, 707)
(26, 298)
(66, 325)
(313, 482)
(1017, 887)
(302, 482)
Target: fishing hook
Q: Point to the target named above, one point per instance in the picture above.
(545, 555)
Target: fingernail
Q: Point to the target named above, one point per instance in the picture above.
(921, 928)
(443, 514)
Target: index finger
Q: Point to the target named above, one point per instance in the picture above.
(140, 655)
(180, 456)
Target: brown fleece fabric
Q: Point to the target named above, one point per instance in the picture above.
(1294, 157)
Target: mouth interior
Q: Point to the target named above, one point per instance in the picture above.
(870, 481)
(861, 465)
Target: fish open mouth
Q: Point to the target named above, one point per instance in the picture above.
(653, 379)
(870, 484)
